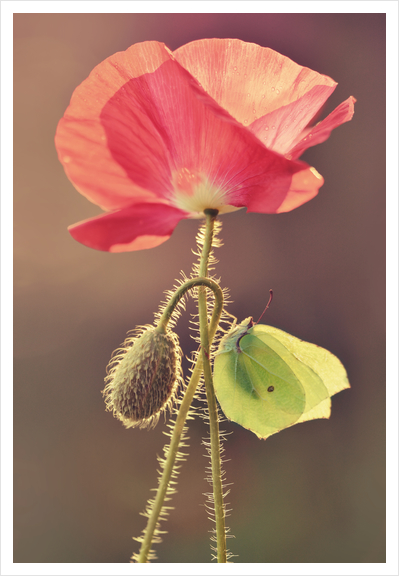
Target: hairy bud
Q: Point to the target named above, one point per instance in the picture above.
(143, 377)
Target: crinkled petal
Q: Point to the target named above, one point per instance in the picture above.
(279, 129)
(319, 133)
(302, 187)
(82, 139)
(250, 81)
(137, 227)
(267, 188)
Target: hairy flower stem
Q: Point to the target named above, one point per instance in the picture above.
(210, 395)
(184, 407)
(178, 295)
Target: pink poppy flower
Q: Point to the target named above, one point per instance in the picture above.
(154, 136)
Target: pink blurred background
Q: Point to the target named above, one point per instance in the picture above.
(312, 493)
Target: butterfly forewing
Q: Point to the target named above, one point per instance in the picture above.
(268, 370)
(327, 366)
(313, 386)
(259, 399)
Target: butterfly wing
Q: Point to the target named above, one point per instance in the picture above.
(257, 389)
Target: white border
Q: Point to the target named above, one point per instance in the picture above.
(192, 6)
(8, 8)
(392, 258)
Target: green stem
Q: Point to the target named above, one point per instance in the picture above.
(184, 407)
(210, 395)
(178, 295)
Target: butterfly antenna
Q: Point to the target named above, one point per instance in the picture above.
(267, 306)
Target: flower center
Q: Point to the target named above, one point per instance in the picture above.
(194, 193)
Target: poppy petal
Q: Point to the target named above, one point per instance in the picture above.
(82, 139)
(247, 80)
(280, 128)
(140, 226)
(303, 186)
(319, 133)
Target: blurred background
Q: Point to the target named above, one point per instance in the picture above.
(312, 493)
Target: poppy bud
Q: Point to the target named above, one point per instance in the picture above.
(143, 378)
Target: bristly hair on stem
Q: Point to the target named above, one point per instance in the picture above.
(171, 489)
(196, 379)
(212, 261)
(210, 503)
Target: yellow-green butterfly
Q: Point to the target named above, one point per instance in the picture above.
(267, 380)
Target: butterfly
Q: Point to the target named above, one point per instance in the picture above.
(267, 380)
